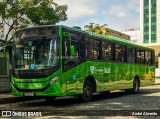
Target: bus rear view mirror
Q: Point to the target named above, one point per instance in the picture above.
(72, 50)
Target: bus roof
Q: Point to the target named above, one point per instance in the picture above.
(109, 38)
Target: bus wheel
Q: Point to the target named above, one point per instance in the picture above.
(87, 92)
(135, 88)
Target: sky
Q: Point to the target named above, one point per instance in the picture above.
(117, 14)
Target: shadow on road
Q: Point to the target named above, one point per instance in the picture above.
(16, 99)
(71, 100)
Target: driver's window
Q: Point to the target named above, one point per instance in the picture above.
(66, 49)
(76, 56)
(68, 60)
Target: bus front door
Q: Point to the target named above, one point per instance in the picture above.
(70, 63)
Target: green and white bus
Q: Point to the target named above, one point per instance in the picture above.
(55, 60)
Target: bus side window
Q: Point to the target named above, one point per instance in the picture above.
(87, 48)
(148, 57)
(140, 56)
(120, 52)
(92, 47)
(76, 56)
(95, 49)
(106, 51)
(131, 55)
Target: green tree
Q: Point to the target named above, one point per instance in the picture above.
(89, 27)
(23, 13)
(100, 29)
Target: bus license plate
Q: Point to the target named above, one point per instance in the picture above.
(29, 94)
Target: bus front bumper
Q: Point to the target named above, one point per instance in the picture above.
(51, 90)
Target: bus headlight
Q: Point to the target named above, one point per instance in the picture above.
(53, 80)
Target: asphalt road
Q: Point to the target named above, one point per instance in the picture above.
(117, 103)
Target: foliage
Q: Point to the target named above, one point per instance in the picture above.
(100, 29)
(23, 13)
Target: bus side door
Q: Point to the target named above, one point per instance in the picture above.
(69, 66)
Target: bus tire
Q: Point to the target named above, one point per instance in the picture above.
(135, 89)
(87, 92)
(136, 85)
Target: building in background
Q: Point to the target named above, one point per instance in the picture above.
(118, 34)
(134, 34)
(150, 26)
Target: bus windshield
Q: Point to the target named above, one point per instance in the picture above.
(41, 53)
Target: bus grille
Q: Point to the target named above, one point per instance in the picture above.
(32, 90)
